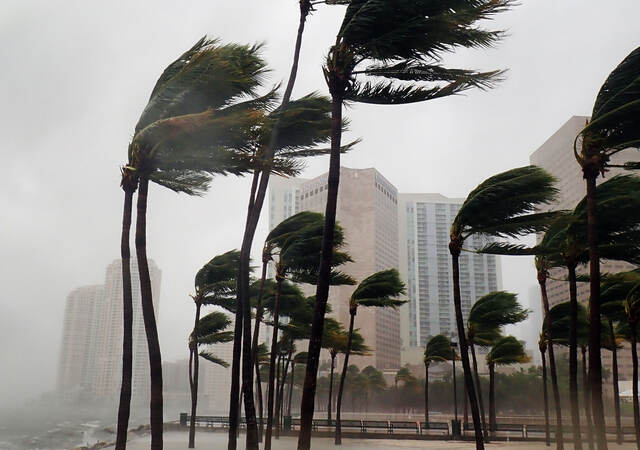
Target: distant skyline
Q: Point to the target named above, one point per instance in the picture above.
(75, 80)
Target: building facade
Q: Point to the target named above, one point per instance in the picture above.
(425, 264)
(77, 355)
(367, 210)
(99, 321)
(557, 157)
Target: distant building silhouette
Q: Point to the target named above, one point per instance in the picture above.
(90, 361)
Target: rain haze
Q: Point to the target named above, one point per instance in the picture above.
(77, 74)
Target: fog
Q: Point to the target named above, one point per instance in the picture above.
(76, 75)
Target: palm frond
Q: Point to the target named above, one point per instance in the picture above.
(503, 204)
(438, 349)
(380, 289)
(213, 76)
(507, 350)
(214, 359)
(615, 120)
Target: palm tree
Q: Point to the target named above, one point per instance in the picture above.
(621, 290)
(438, 349)
(614, 126)
(486, 318)
(271, 147)
(558, 324)
(542, 345)
(507, 350)
(303, 125)
(391, 43)
(297, 242)
(209, 330)
(380, 290)
(192, 127)
(215, 284)
(501, 206)
(565, 245)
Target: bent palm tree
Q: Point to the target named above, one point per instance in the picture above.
(380, 290)
(486, 318)
(438, 349)
(501, 206)
(507, 350)
(399, 45)
(298, 242)
(215, 284)
(192, 128)
(209, 330)
(614, 126)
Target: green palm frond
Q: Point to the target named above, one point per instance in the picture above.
(504, 205)
(559, 317)
(213, 76)
(214, 359)
(211, 329)
(438, 349)
(215, 282)
(507, 350)
(181, 181)
(615, 120)
(379, 290)
(490, 313)
(507, 248)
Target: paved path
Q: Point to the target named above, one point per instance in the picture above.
(176, 440)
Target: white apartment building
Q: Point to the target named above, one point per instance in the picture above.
(425, 264)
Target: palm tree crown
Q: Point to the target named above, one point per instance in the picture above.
(438, 349)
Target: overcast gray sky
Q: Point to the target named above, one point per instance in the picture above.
(76, 75)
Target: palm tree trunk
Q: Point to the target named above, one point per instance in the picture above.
(244, 337)
(193, 378)
(595, 365)
(333, 361)
(454, 248)
(587, 403)
(547, 434)
(272, 363)
(479, 388)
(542, 280)
(343, 377)
(276, 413)
(426, 395)
(234, 396)
(616, 390)
(260, 404)
(282, 389)
(634, 383)
(124, 407)
(293, 372)
(466, 407)
(573, 357)
(324, 272)
(258, 320)
(492, 399)
(255, 207)
(155, 358)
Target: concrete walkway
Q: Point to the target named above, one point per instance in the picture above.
(176, 440)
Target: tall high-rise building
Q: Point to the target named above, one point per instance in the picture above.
(367, 210)
(77, 355)
(425, 264)
(557, 157)
(95, 314)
